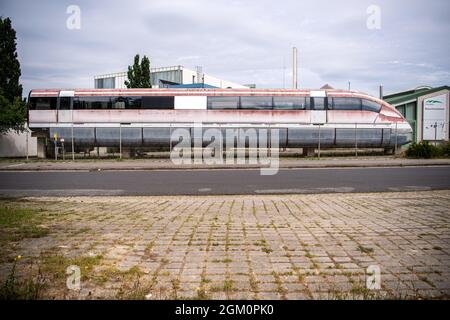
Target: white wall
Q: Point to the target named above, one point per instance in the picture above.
(190, 102)
(14, 145)
(213, 81)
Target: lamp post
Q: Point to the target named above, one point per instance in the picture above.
(62, 146)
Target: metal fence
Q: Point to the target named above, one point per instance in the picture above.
(62, 145)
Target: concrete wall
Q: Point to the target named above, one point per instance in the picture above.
(15, 145)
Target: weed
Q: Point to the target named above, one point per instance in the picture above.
(28, 289)
(366, 250)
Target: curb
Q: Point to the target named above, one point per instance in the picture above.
(232, 167)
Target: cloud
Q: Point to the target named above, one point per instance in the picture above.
(241, 41)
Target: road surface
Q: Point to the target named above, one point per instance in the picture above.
(195, 182)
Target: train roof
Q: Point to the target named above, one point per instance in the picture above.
(198, 92)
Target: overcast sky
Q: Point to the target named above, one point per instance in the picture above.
(240, 41)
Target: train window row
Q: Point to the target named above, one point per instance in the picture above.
(292, 103)
(99, 103)
(213, 103)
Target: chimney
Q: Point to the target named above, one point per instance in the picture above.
(381, 91)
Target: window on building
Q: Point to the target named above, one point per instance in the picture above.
(43, 103)
(158, 103)
(369, 105)
(339, 103)
(410, 111)
(401, 109)
(105, 83)
(220, 103)
(258, 103)
(98, 83)
(109, 83)
(290, 103)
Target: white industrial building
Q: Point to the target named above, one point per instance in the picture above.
(165, 77)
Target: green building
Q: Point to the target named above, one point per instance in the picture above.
(426, 109)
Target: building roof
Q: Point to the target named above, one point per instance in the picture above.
(326, 86)
(409, 95)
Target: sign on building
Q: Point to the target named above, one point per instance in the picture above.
(434, 118)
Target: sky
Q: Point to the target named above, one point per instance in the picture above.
(398, 43)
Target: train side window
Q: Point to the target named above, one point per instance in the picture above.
(329, 103)
(76, 103)
(118, 103)
(258, 103)
(290, 103)
(221, 103)
(341, 103)
(43, 103)
(133, 102)
(64, 103)
(368, 105)
(318, 103)
(158, 102)
(96, 103)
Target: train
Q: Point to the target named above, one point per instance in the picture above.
(139, 118)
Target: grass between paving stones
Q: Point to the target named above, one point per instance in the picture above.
(17, 224)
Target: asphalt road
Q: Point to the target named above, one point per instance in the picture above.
(195, 182)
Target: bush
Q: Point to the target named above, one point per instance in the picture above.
(445, 149)
(423, 150)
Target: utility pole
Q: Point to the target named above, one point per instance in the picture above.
(294, 68)
(27, 143)
(199, 70)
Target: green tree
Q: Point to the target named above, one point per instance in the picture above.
(12, 108)
(139, 73)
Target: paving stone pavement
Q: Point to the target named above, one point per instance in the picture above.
(247, 247)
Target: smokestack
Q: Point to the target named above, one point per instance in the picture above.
(294, 68)
(381, 91)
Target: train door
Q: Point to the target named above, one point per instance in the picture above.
(65, 105)
(318, 107)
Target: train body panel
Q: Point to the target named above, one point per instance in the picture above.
(149, 117)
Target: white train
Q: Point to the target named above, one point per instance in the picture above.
(146, 117)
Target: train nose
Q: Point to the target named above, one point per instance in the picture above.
(405, 133)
